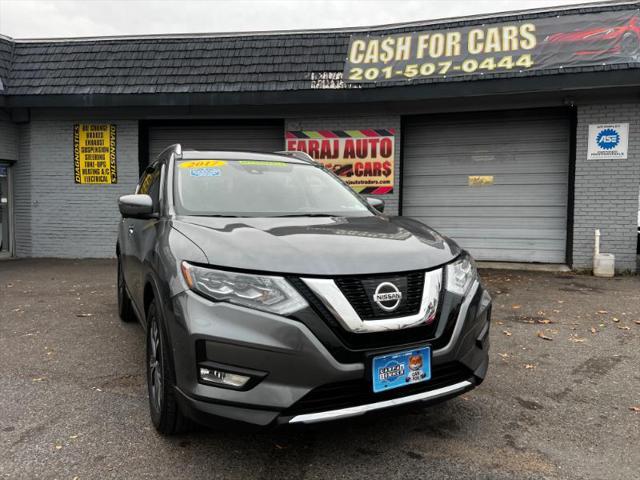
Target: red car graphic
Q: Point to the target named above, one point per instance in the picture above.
(596, 42)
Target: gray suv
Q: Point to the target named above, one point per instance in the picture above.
(272, 294)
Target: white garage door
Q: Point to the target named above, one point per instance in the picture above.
(261, 137)
(496, 183)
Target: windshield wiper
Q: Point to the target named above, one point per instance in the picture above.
(305, 215)
(219, 216)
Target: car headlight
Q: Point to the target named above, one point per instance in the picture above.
(270, 294)
(461, 274)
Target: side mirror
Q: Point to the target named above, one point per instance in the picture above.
(136, 206)
(376, 203)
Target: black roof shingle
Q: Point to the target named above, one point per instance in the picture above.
(266, 62)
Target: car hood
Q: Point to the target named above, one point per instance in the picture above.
(323, 246)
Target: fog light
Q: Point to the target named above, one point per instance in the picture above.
(220, 377)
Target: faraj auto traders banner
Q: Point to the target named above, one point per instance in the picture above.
(538, 44)
(363, 159)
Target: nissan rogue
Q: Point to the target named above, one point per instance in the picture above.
(271, 293)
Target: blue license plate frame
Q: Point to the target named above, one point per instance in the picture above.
(401, 369)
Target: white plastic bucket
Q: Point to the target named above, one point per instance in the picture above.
(604, 265)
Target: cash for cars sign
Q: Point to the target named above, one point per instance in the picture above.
(486, 49)
(363, 159)
(94, 153)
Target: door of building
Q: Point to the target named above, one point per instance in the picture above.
(5, 212)
(260, 136)
(496, 182)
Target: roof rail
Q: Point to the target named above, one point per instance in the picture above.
(175, 148)
(304, 156)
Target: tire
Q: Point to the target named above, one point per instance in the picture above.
(163, 407)
(125, 308)
(630, 45)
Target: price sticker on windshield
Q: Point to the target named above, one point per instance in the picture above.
(202, 163)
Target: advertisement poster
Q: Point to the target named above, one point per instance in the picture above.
(94, 154)
(546, 43)
(608, 141)
(363, 159)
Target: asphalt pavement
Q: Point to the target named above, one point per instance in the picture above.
(559, 401)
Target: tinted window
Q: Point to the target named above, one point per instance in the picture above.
(261, 188)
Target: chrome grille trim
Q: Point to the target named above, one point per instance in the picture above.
(334, 300)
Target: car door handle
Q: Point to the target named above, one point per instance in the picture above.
(130, 230)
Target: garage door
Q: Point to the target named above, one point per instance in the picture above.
(496, 183)
(261, 137)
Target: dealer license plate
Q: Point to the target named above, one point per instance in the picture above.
(396, 370)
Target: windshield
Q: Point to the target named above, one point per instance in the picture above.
(250, 188)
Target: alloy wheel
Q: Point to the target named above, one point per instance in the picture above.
(120, 285)
(155, 366)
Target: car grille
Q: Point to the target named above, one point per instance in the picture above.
(359, 291)
(384, 339)
(359, 392)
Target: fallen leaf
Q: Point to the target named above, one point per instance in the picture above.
(58, 447)
(616, 320)
(593, 330)
(507, 333)
(37, 379)
(560, 301)
(623, 327)
(637, 322)
(503, 355)
(516, 307)
(602, 312)
(543, 336)
(528, 366)
(73, 436)
(577, 339)
(84, 315)
(500, 323)
(546, 321)
(635, 409)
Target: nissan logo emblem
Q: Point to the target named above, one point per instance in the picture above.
(387, 296)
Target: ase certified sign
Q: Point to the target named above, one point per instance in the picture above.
(608, 141)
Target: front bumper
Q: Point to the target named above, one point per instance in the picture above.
(311, 374)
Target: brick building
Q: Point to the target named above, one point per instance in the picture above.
(498, 159)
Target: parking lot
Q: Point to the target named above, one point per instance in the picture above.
(561, 398)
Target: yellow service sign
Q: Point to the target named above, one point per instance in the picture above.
(94, 154)
(480, 180)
